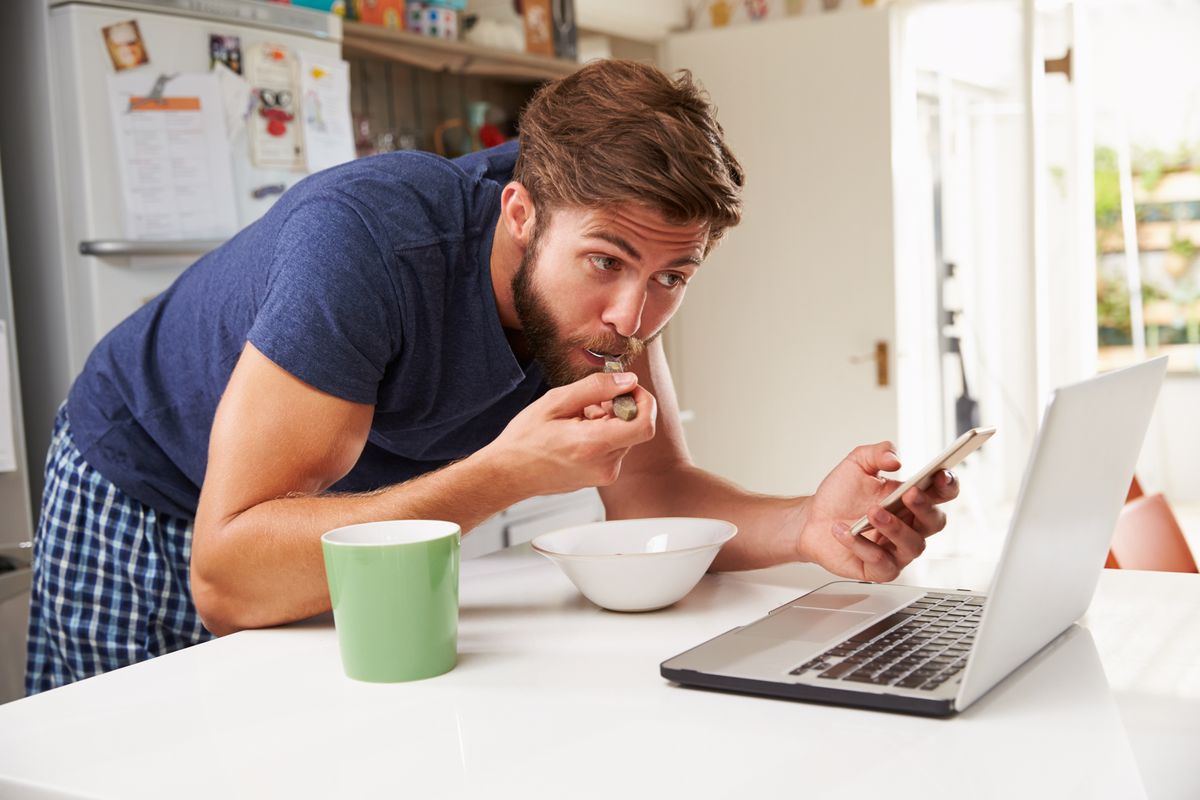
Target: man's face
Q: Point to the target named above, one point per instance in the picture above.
(599, 283)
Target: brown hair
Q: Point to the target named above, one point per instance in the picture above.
(616, 132)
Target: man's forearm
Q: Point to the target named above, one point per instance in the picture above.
(265, 566)
(766, 525)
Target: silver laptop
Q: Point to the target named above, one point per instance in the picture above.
(936, 651)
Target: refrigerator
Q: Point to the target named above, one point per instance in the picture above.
(83, 255)
(16, 518)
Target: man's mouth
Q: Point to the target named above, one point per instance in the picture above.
(603, 357)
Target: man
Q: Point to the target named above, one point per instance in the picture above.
(381, 345)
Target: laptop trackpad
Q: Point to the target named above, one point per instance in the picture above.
(815, 625)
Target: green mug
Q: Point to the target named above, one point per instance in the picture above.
(394, 590)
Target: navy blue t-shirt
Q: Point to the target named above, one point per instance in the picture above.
(369, 281)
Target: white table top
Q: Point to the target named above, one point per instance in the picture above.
(553, 697)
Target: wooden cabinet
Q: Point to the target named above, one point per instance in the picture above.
(439, 55)
(417, 92)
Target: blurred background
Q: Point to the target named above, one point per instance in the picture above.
(952, 206)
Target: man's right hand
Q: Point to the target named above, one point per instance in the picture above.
(559, 443)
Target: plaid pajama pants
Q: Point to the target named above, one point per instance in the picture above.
(110, 576)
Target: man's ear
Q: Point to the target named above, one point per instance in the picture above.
(518, 213)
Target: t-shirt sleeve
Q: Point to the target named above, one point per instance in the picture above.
(330, 315)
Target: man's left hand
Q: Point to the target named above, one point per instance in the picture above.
(855, 487)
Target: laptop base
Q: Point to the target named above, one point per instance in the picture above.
(841, 696)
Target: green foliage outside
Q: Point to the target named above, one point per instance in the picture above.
(1183, 247)
(1112, 291)
(1149, 165)
(1112, 306)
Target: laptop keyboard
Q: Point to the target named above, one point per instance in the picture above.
(919, 647)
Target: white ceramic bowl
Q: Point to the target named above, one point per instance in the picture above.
(636, 564)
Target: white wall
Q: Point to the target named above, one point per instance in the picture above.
(1170, 461)
(632, 19)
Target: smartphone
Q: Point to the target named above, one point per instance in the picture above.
(963, 446)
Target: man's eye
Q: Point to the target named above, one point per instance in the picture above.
(670, 280)
(603, 262)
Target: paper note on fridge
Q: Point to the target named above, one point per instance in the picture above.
(325, 109)
(238, 100)
(173, 155)
(8, 448)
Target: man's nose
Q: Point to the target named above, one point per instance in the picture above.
(624, 313)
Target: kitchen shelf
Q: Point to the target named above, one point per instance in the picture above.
(440, 55)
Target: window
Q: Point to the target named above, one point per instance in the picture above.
(1147, 96)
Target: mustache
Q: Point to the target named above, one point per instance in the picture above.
(626, 348)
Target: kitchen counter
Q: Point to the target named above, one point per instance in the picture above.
(553, 697)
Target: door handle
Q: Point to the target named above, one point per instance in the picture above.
(1062, 65)
(880, 356)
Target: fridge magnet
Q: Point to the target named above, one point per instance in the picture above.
(276, 139)
(225, 50)
(275, 106)
(267, 190)
(155, 96)
(125, 46)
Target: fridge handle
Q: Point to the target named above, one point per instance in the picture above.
(128, 247)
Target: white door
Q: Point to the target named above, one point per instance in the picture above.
(774, 348)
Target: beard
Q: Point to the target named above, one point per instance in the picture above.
(558, 355)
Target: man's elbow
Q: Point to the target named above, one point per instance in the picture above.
(219, 608)
(218, 611)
